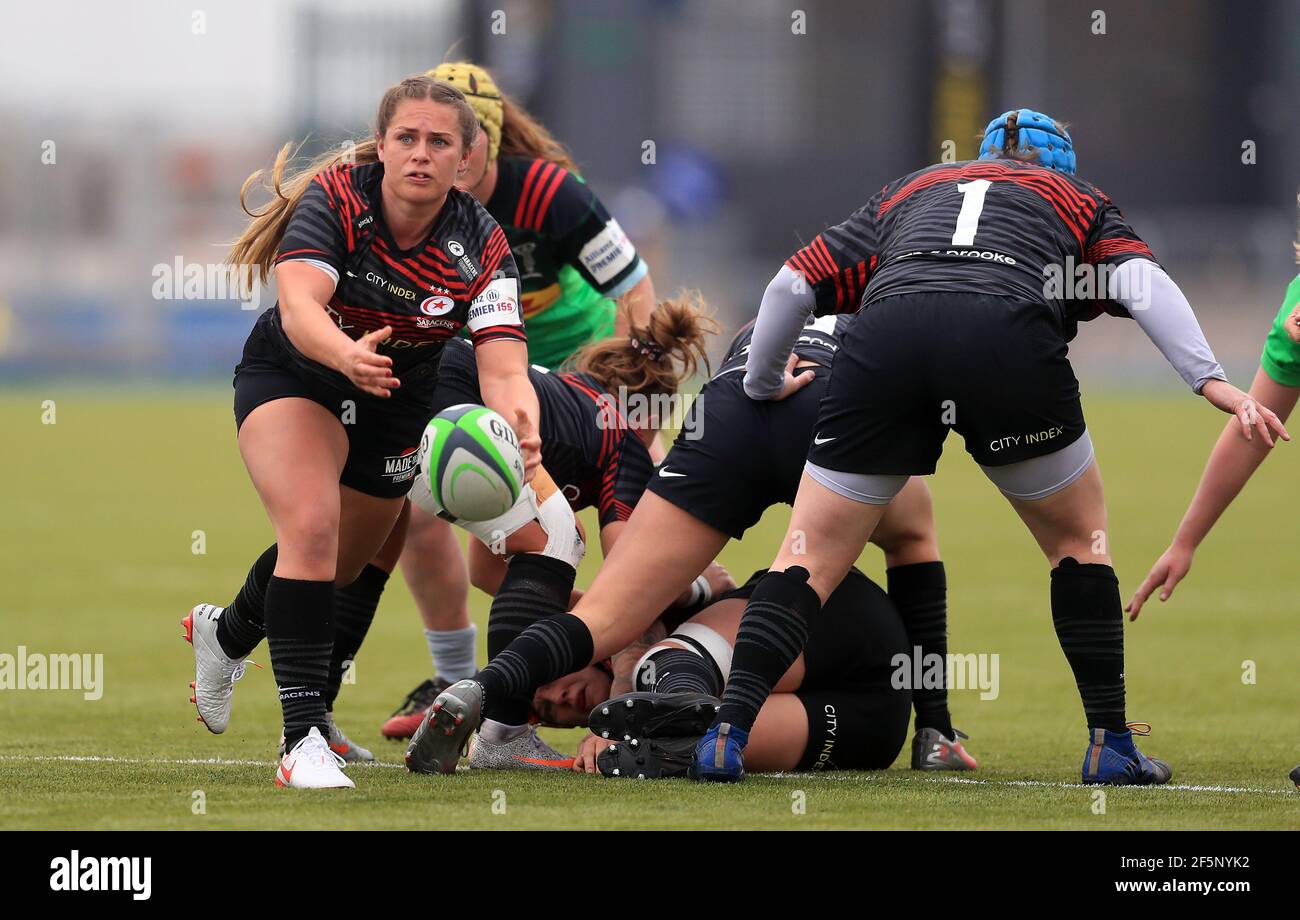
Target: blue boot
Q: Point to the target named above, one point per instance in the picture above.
(719, 755)
(1113, 759)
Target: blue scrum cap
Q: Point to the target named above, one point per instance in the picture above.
(1055, 148)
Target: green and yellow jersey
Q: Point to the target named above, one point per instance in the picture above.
(1281, 358)
(573, 257)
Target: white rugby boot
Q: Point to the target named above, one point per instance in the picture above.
(214, 673)
(312, 765)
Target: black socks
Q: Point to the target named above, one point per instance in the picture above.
(772, 634)
(1089, 621)
(676, 670)
(557, 643)
(354, 611)
(243, 623)
(300, 633)
(920, 592)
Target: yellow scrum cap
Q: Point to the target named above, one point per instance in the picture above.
(483, 95)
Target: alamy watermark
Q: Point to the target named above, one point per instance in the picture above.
(181, 280)
(1073, 280)
(103, 873)
(59, 671)
(918, 671)
(650, 410)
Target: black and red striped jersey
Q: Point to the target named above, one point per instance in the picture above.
(462, 274)
(587, 446)
(1000, 227)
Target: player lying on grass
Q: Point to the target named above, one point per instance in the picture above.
(336, 381)
(733, 460)
(591, 458)
(574, 262)
(836, 708)
(957, 270)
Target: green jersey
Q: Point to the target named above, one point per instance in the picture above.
(573, 257)
(1281, 358)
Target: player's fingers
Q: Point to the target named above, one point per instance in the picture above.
(1243, 416)
(1275, 423)
(1261, 424)
(1143, 592)
(373, 339)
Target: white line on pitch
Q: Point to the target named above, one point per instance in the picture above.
(1247, 790)
(194, 762)
(851, 777)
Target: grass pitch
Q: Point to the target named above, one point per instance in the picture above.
(101, 514)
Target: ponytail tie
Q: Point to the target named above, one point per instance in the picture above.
(646, 345)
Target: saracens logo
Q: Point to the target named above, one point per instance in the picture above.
(455, 248)
(437, 305)
(403, 466)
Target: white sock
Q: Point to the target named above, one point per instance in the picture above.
(453, 651)
(499, 732)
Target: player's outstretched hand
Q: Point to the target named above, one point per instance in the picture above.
(585, 760)
(1253, 415)
(794, 382)
(371, 372)
(1169, 570)
(530, 444)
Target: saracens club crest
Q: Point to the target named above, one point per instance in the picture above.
(437, 305)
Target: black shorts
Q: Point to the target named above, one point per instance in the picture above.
(749, 454)
(857, 719)
(913, 366)
(383, 435)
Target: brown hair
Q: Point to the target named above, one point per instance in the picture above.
(258, 244)
(524, 136)
(668, 350)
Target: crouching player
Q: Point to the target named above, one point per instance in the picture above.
(835, 709)
(734, 459)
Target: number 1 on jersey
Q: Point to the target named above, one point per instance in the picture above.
(972, 204)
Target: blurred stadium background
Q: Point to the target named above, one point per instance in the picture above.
(131, 127)
(762, 136)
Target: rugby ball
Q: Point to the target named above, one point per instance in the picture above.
(470, 463)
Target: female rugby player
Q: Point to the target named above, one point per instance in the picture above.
(960, 327)
(574, 261)
(594, 458)
(836, 708)
(711, 488)
(1233, 461)
(378, 265)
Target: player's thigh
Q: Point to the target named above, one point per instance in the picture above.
(826, 535)
(365, 522)
(660, 551)
(779, 737)
(294, 450)
(1070, 522)
(906, 532)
